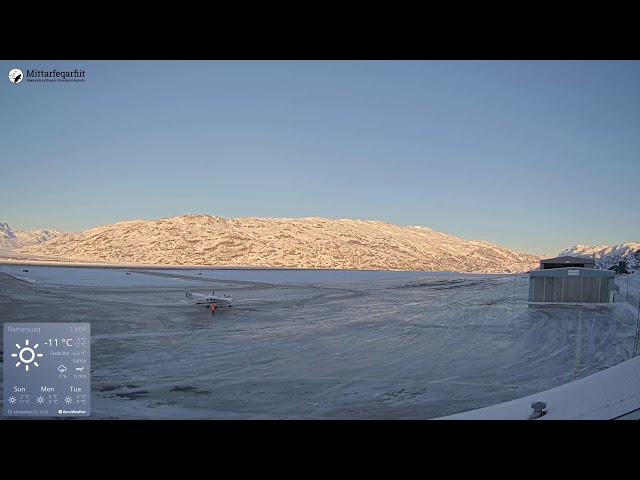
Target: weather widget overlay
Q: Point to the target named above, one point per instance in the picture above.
(47, 369)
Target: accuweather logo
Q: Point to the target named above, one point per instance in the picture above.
(15, 75)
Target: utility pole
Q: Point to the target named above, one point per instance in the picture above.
(513, 306)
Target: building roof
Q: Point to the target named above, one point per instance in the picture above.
(565, 271)
(567, 259)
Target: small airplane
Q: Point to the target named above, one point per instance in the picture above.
(208, 300)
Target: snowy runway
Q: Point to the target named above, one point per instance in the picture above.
(316, 344)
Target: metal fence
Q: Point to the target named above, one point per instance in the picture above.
(635, 301)
(632, 300)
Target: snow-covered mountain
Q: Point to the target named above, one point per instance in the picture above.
(10, 239)
(310, 242)
(5, 232)
(606, 255)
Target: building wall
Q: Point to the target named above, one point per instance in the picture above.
(572, 290)
(571, 285)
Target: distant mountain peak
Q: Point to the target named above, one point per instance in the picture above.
(5, 231)
(10, 239)
(607, 255)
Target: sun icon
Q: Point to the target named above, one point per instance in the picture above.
(67, 399)
(40, 399)
(12, 399)
(30, 352)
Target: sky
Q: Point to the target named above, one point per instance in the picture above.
(536, 156)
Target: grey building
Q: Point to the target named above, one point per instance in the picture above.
(562, 262)
(571, 285)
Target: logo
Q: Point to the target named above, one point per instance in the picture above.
(15, 75)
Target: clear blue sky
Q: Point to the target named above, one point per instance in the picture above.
(531, 155)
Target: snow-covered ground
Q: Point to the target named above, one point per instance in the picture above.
(611, 394)
(327, 344)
